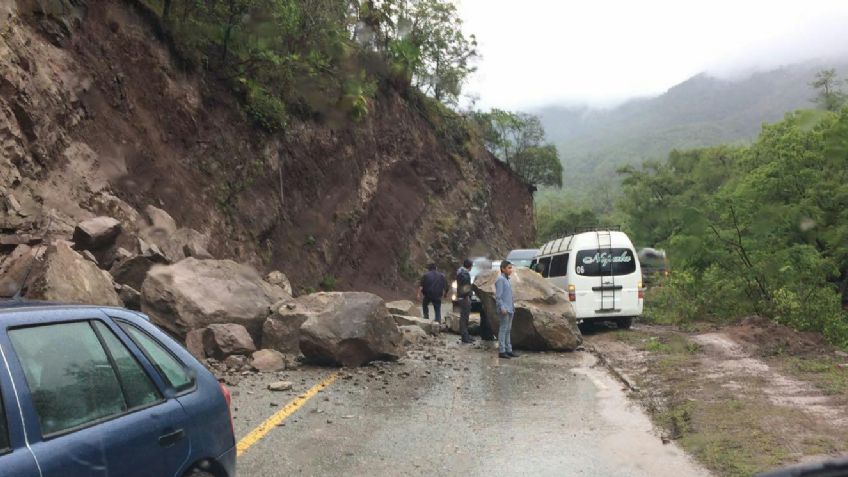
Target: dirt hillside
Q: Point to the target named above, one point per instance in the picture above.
(98, 118)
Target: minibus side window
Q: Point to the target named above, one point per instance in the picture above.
(559, 266)
(546, 265)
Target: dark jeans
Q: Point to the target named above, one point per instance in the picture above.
(464, 312)
(485, 326)
(437, 307)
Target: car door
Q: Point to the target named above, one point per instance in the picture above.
(15, 458)
(101, 408)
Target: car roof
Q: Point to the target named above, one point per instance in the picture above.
(13, 306)
(16, 303)
(522, 253)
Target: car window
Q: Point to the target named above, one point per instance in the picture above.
(167, 365)
(559, 266)
(139, 390)
(4, 428)
(69, 375)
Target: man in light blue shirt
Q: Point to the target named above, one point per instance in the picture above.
(506, 311)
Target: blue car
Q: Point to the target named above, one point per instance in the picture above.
(94, 391)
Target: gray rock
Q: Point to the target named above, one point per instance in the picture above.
(279, 279)
(452, 323)
(281, 331)
(428, 326)
(193, 294)
(544, 319)
(236, 362)
(412, 335)
(67, 276)
(196, 250)
(132, 271)
(268, 360)
(222, 340)
(131, 297)
(280, 386)
(151, 251)
(90, 257)
(97, 233)
(404, 308)
(161, 220)
(194, 343)
(350, 329)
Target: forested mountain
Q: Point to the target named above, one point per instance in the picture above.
(702, 111)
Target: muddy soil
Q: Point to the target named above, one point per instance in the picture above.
(741, 399)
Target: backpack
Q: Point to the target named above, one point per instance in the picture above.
(463, 283)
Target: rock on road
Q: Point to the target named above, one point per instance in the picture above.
(451, 410)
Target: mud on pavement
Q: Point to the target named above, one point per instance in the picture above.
(453, 409)
(741, 399)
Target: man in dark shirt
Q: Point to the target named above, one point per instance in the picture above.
(463, 296)
(432, 288)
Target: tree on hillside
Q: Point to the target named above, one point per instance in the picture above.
(518, 140)
(830, 96)
(423, 40)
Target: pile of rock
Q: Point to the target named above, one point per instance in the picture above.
(225, 311)
(544, 318)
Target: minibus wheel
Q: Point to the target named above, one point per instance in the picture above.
(624, 323)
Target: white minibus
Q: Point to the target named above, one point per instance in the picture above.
(599, 271)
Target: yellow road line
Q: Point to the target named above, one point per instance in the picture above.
(257, 434)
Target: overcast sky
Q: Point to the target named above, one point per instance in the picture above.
(600, 52)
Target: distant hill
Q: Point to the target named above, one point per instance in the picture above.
(702, 111)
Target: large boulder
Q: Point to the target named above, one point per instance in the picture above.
(15, 267)
(404, 308)
(222, 340)
(194, 294)
(349, 329)
(96, 233)
(544, 318)
(67, 276)
(281, 331)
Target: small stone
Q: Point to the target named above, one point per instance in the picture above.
(280, 386)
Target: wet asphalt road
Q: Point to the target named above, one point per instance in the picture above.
(451, 410)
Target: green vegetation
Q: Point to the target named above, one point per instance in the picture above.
(828, 373)
(328, 283)
(518, 140)
(761, 229)
(316, 58)
(406, 268)
(557, 216)
(830, 97)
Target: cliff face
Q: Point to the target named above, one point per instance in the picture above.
(97, 118)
